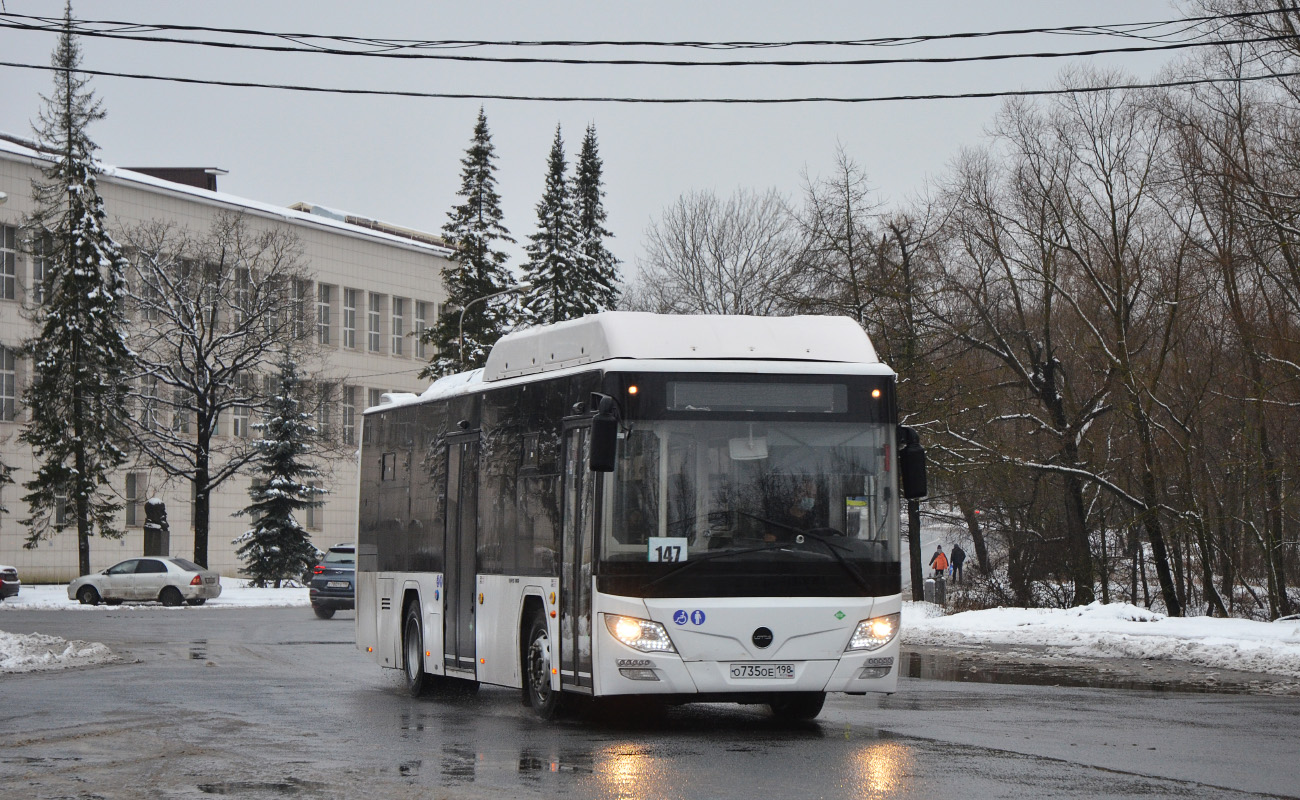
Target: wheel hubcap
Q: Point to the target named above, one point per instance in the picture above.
(539, 667)
(412, 653)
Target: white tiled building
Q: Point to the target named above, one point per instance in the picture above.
(373, 287)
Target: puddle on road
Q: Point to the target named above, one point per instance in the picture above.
(931, 665)
(289, 786)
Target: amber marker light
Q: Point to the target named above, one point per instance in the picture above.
(875, 394)
(631, 390)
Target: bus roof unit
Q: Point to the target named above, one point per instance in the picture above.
(630, 334)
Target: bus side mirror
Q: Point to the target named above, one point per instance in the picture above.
(911, 463)
(604, 433)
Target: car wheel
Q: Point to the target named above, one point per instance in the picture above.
(198, 601)
(537, 666)
(797, 706)
(323, 612)
(170, 596)
(88, 596)
(418, 682)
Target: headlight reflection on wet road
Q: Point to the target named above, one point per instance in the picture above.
(879, 770)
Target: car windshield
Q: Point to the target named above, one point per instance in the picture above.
(340, 557)
(686, 490)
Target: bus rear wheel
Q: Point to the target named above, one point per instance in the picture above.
(544, 700)
(798, 706)
(418, 682)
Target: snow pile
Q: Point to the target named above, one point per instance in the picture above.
(235, 593)
(27, 653)
(1116, 630)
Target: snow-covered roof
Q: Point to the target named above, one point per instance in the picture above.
(665, 342)
(629, 334)
(13, 145)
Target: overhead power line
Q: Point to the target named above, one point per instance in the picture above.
(1143, 30)
(673, 62)
(665, 100)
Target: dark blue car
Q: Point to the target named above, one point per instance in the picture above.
(333, 581)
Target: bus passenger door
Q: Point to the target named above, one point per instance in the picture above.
(575, 571)
(461, 553)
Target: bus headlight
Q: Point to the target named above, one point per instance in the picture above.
(874, 633)
(641, 634)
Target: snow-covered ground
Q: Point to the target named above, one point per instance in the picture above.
(1117, 630)
(26, 653)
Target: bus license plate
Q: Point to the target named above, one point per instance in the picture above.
(336, 585)
(762, 671)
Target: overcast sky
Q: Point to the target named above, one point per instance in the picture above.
(398, 159)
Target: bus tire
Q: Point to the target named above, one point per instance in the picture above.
(544, 700)
(418, 682)
(797, 706)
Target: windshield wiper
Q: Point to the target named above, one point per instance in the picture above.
(836, 549)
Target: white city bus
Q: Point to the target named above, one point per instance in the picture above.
(699, 508)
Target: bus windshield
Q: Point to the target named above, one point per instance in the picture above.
(774, 495)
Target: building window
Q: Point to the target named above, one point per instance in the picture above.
(61, 510)
(324, 294)
(240, 415)
(350, 318)
(8, 261)
(243, 295)
(8, 385)
(399, 324)
(374, 317)
(42, 247)
(134, 499)
(180, 411)
(349, 415)
(324, 410)
(421, 322)
(301, 300)
(314, 512)
(239, 422)
(149, 403)
(374, 396)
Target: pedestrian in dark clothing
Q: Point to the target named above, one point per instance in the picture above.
(958, 558)
(939, 562)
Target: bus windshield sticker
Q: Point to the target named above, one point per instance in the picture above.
(667, 548)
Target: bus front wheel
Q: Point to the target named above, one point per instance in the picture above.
(418, 682)
(544, 700)
(797, 706)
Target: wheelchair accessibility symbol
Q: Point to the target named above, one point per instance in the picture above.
(681, 616)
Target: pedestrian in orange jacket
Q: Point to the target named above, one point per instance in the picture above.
(939, 562)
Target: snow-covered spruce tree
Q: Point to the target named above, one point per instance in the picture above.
(277, 547)
(79, 358)
(552, 267)
(478, 269)
(597, 277)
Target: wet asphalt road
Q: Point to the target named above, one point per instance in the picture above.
(271, 703)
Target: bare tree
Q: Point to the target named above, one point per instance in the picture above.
(214, 313)
(709, 256)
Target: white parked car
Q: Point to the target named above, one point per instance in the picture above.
(170, 581)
